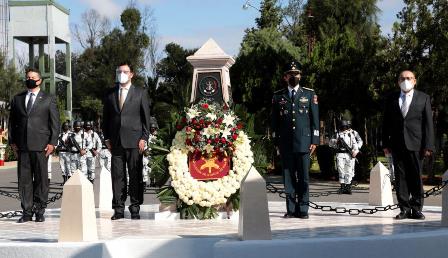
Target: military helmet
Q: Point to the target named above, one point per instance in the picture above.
(88, 124)
(66, 124)
(345, 123)
(293, 68)
(77, 124)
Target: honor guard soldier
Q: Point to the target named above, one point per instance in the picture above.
(295, 124)
(64, 152)
(347, 145)
(80, 144)
(93, 152)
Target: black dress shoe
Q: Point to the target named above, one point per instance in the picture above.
(403, 215)
(25, 219)
(417, 215)
(135, 216)
(288, 216)
(303, 216)
(117, 216)
(40, 218)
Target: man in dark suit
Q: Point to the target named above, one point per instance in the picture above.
(408, 135)
(295, 123)
(126, 125)
(33, 133)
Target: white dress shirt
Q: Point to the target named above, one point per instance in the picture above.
(408, 97)
(28, 94)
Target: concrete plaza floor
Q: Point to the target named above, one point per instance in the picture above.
(380, 228)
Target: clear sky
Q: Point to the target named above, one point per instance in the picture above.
(191, 22)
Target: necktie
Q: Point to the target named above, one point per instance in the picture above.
(122, 97)
(293, 94)
(29, 104)
(404, 106)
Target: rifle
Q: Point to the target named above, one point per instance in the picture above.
(63, 147)
(346, 147)
(75, 143)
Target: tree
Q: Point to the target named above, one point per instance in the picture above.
(173, 92)
(270, 15)
(92, 28)
(344, 62)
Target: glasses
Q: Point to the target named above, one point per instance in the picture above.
(406, 78)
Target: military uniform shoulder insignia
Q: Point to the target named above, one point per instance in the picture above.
(308, 88)
(279, 91)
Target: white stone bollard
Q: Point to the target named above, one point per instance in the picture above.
(78, 220)
(445, 202)
(380, 193)
(254, 221)
(105, 198)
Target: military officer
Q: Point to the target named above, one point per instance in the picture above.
(295, 124)
(64, 151)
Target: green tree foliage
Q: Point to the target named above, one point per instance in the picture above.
(344, 62)
(173, 91)
(10, 79)
(270, 15)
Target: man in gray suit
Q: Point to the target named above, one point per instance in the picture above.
(33, 133)
(126, 122)
(408, 134)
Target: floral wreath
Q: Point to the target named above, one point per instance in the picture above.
(208, 130)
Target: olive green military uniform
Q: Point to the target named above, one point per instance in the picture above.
(295, 124)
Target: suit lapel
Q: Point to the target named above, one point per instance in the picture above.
(21, 100)
(115, 99)
(413, 101)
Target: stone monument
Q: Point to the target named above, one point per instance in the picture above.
(78, 220)
(254, 221)
(211, 79)
(380, 193)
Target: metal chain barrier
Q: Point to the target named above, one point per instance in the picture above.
(436, 190)
(11, 214)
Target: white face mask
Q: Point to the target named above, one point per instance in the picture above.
(122, 78)
(406, 85)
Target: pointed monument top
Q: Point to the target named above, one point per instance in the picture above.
(210, 48)
(78, 179)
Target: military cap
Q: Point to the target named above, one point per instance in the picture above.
(293, 68)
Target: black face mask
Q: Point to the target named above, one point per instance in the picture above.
(65, 128)
(77, 129)
(31, 84)
(293, 81)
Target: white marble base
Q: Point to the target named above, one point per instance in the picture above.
(324, 234)
(169, 215)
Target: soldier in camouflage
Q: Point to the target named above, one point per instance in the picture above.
(80, 144)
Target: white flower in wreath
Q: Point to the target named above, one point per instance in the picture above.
(226, 133)
(192, 113)
(209, 131)
(211, 116)
(228, 119)
(208, 148)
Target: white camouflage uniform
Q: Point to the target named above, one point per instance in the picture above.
(105, 157)
(64, 155)
(345, 161)
(78, 161)
(90, 159)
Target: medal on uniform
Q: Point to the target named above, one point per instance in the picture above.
(303, 100)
